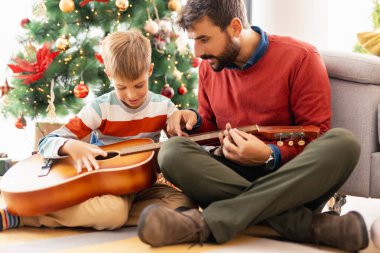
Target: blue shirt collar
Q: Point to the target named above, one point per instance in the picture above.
(258, 53)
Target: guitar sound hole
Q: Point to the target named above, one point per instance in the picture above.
(109, 156)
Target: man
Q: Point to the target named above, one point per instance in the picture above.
(249, 78)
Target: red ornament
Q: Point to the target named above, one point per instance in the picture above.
(195, 62)
(182, 90)
(84, 2)
(81, 90)
(24, 22)
(20, 122)
(5, 88)
(99, 58)
(167, 91)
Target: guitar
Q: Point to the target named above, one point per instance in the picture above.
(35, 186)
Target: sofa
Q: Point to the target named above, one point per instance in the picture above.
(355, 97)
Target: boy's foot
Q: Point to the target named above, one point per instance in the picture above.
(8, 220)
(347, 232)
(160, 226)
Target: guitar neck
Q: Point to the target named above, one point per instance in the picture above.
(269, 132)
(201, 139)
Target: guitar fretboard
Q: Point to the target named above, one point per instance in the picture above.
(276, 133)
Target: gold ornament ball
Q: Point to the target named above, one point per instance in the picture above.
(174, 5)
(122, 4)
(66, 6)
(151, 27)
(62, 43)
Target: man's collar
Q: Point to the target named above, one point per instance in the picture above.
(258, 53)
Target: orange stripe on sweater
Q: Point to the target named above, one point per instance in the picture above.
(77, 127)
(133, 127)
(5, 219)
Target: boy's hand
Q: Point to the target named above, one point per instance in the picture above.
(179, 120)
(83, 154)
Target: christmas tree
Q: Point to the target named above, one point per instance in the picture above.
(60, 62)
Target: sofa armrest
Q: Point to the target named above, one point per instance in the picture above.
(354, 67)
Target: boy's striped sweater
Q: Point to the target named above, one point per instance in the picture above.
(109, 120)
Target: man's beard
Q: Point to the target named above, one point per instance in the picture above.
(228, 56)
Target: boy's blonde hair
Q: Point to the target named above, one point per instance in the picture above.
(126, 55)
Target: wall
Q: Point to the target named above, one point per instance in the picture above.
(329, 24)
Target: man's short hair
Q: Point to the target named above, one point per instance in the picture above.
(221, 12)
(126, 55)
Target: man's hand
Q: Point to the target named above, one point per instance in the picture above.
(245, 149)
(83, 154)
(219, 150)
(179, 120)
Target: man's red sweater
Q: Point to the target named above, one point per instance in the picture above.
(287, 86)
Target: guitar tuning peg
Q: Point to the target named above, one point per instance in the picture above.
(280, 143)
(301, 142)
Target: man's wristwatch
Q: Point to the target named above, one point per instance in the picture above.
(269, 163)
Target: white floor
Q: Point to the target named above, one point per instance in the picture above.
(369, 208)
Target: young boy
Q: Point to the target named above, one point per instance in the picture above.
(130, 111)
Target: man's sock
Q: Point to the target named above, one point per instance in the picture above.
(8, 220)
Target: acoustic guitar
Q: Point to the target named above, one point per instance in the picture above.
(36, 186)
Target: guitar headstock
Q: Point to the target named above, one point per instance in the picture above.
(301, 134)
(287, 133)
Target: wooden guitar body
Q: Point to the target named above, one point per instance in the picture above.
(28, 194)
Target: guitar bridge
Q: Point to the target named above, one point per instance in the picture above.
(45, 169)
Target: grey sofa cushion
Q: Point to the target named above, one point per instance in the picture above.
(355, 88)
(353, 67)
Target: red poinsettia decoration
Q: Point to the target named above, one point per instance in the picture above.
(32, 72)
